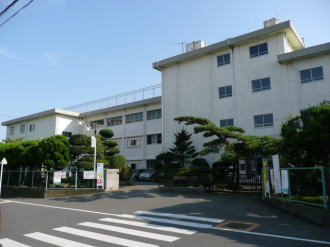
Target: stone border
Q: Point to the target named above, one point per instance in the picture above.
(316, 215)
(10, 192)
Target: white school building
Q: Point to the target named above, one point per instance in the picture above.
(255, 81)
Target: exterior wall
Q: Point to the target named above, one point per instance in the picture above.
(44, 127)
(191, 88)
(67, 124)
(133, 131)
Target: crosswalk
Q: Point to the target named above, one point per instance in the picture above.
(149, 229)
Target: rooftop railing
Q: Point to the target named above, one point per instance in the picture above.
(119, 99)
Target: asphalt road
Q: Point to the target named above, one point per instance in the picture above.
(168, 219)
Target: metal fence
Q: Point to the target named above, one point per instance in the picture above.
(305, 185)
(243, 183)
(73, 180)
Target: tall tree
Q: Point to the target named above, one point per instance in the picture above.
(183, 148)
(110, 146)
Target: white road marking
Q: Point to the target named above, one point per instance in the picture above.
(273, 236)
(55, 240)
(6, 242)
(151, 235)
(64, 208)
(162, 220)
(4, 201)
(180, 216)
(103, 237)
(148, 225)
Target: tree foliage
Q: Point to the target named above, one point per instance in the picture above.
(55, 152)
(183, 149)
(306, 138)
(110, 146)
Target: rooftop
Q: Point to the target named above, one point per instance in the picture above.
(286, 27)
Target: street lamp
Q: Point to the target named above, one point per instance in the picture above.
(93, 140)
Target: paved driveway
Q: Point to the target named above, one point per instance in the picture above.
(140, 215)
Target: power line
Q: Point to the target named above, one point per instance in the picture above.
(8, 7)
(3, 23)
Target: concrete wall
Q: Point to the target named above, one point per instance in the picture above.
(44, 127)
(191, 88)
(138, 131)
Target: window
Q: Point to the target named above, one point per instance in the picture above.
(151, 163)
(263, 120)
(313, 74)
(223, 59)
(32, 127)
(67, 134)
(99, 122)
(154, 114)
(261, 84)
(135, 117)
(258, 50)
(114, 121)
(226, 122)
(133, 143)
(12, 130)
(225, 92)
(22, 129)
(154, 139)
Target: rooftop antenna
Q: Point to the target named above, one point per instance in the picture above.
(183, 45)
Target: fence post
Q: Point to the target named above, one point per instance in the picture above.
(46, 187)
(324, 188)
(8, 177)
(289, 186)
(20, 177)
(75, 182)
(32, 179)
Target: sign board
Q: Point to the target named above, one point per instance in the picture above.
(89, 175)
(99, 174)
(93, 142)
(4, 161)
(57, 178)
(285, 181)
(277, 174)
(63, 175)
(265, 177)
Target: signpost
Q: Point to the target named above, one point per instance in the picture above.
(3, 162)
(57, 178)
(100, 175)
(93, 145)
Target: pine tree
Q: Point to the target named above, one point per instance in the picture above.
(183, 148)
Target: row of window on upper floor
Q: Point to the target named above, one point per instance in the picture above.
(151, 139)
(22, 128)
(129, 118)
(307, 75)
(262, 120)
(255, 51)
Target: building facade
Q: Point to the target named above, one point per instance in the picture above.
(255, 81)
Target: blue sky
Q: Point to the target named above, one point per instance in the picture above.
(58, 53)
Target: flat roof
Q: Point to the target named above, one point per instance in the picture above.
(124, 106)
(304, 53)
(286, 26)
(40, 114)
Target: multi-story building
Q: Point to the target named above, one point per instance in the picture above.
(136, 126)
(254, 81)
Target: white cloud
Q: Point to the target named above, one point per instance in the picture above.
(4, 53)
(52, 58)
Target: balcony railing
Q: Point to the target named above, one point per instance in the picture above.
(119, 99)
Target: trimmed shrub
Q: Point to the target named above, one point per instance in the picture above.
(200, 162)
(118, 161)
(125, 173)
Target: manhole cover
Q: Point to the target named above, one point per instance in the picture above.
(238, 225)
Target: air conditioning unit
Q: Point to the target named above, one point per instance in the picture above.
(270, 22)
(195, 45)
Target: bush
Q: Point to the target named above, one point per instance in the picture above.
(200, 162)
(118, 161)
(125, 173)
